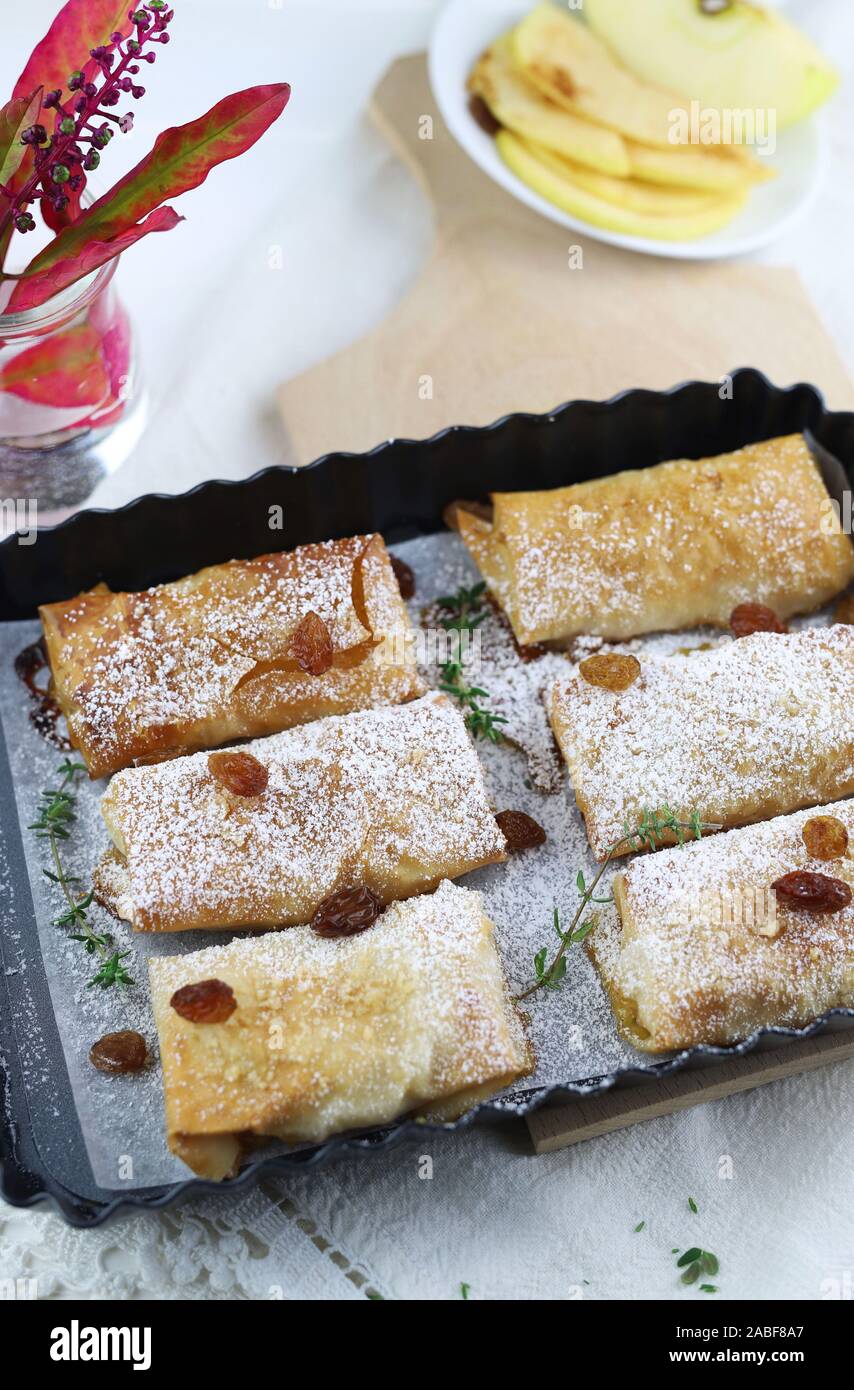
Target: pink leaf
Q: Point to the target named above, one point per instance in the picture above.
(79, 26)
(64, 370)
(181, 159)
(15, 117)
(38, 288)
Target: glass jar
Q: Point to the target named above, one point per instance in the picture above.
(71, 408)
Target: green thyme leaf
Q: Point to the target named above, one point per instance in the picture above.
(689, 1257)
(112, 972)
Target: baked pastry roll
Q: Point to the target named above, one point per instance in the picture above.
(390, 799)
(141, 677)
(411, 1016)
(708, 954)
(663, 548)
(752, 729)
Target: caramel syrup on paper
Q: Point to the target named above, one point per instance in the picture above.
(45, 713)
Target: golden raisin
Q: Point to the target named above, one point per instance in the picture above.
(844, 610)
(812, 892)
(208, 1001)
(311, 645)
(347, 912)
(610, 670)
(119, 1052)
(825, 837)
(405, 577)
(520, 831)
(239, 773)
(748, 618)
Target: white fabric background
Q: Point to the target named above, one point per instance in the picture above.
(219, 329)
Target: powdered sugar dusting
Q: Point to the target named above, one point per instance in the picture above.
(572, 1030)
(207, 658)
(412, 1011)
(709, 953)
(392, 798)
(670, 546)
(755, 727)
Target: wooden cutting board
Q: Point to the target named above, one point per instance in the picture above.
(556, 1127)
(512, 312)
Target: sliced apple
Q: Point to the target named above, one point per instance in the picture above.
(550, 176)
(632, 194)
(572, 66)
(520, 106)
(738, 56)
(715, 168)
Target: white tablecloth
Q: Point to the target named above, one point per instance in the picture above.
(219, 328)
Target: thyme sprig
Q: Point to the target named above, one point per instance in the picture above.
(465, 613)
(649, 832)
(56, 815)
(465, 608)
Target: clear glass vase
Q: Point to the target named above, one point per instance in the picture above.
(71, 405)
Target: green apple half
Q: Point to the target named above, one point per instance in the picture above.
(732, 54)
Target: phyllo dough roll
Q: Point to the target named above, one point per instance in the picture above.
(752, 729)
(390, 799)
(664, 548)
(411, 1016)
(709, 952)
(230, 652)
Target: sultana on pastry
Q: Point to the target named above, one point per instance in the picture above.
(238, 650)
(391, 799)
(749, 730)
(663, 548)
(411, 1016)
(708, 950)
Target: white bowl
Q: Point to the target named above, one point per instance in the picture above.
(466, 27)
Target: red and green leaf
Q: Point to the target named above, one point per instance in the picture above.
(79, 26)
(64, 370)
(181, 159)
(15, 117)
(35, 289)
